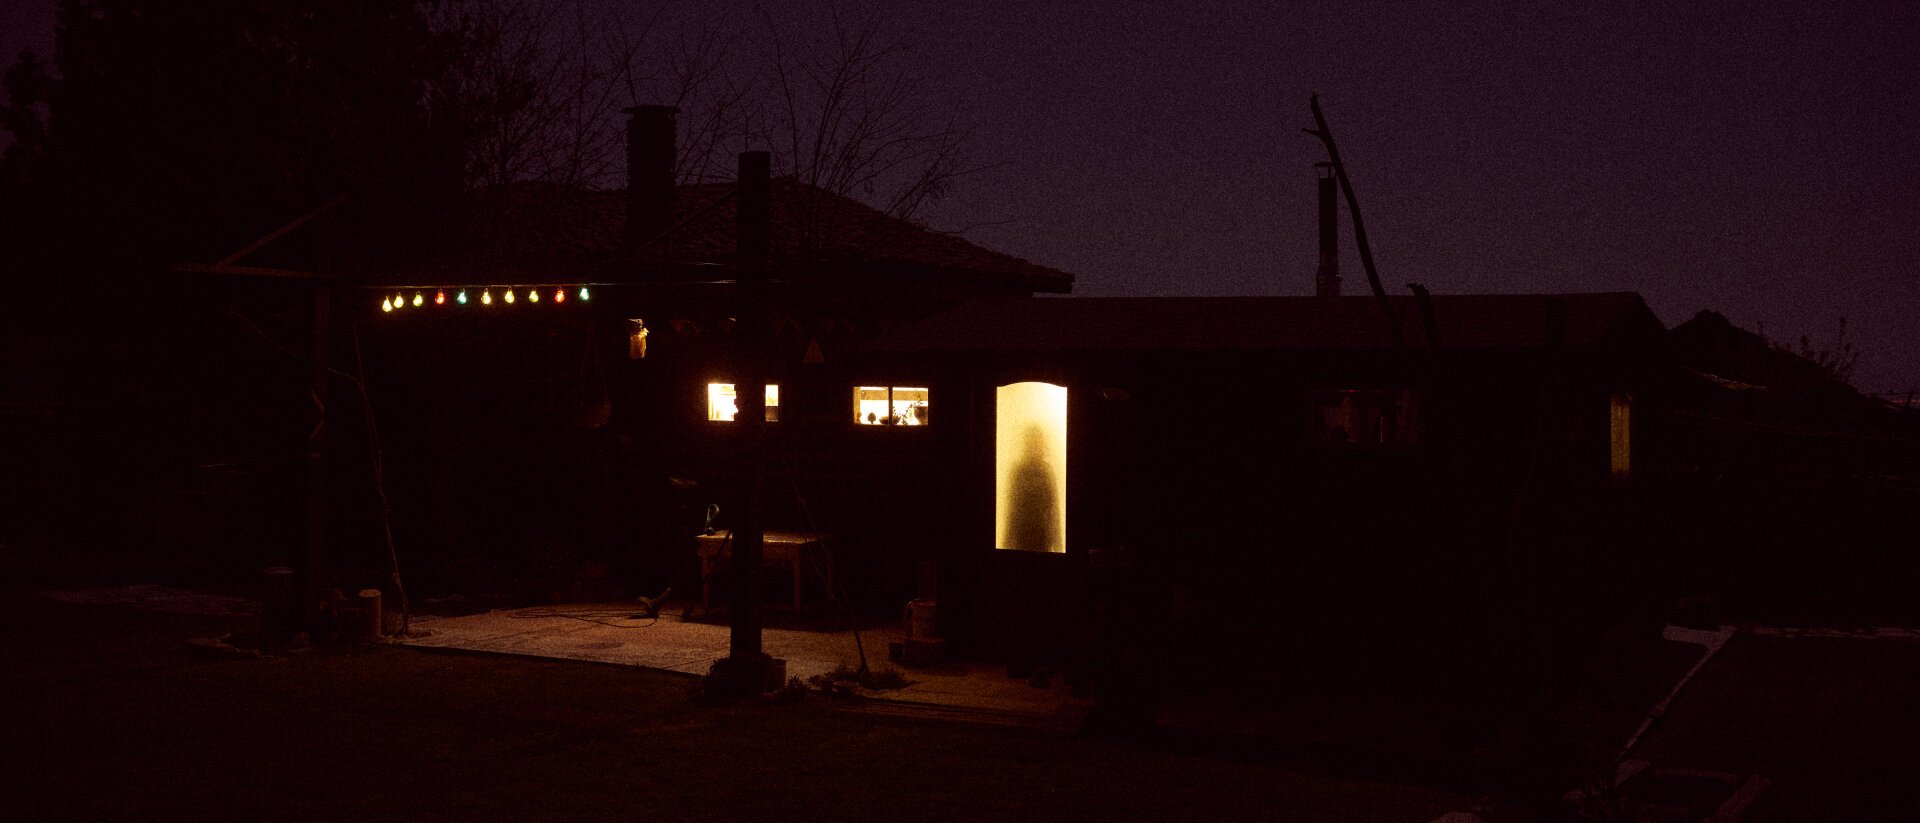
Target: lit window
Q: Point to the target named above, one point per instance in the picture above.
(1620, 430)
(721, 407)
(1030, 467)
(1364, 418)
(889, 406)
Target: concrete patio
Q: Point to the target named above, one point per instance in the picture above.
(614, 633)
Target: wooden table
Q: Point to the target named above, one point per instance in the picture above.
(794, 549)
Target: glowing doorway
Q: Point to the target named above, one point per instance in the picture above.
(1030, 467)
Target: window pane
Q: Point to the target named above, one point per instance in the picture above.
(1030, 464)
(870, 405)
(721, 407)
(909, 406)
(1365, 417)
(1620, 426)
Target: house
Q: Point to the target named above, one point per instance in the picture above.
(555, 369)
(1284, 479)
(1289, 489)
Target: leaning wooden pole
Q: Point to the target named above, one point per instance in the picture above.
(1325, 134)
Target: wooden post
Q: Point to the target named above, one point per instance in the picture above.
(309, 568)
(747, 671)
(750, 397)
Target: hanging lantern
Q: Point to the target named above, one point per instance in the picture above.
(509, 295)
(417, 299)
(533, 295)
(486, 298)
(386, 304)
(399, 300)
(559, 295)
(439, 298)
(461, 298)
(583, 293)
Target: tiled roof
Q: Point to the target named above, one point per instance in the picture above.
(1095, 324)
(535, 230)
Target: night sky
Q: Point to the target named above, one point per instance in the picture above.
(1758, 161)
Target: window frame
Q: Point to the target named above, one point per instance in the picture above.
(1403, 428)
(772, 413)
(892, 404)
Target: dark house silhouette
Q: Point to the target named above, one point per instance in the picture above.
(1316, 501)
(598, 428)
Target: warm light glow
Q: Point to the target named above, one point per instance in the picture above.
(533, 295)
(399, 301)
(508, 296)
(636, 338)
(486, 298)
(1030, 467)
(1620, 429)
(418, 299)
(559, 295)
(889, 406)
(386, 304)
(583, 293)
(461, 298)
(721, 407)
(439, 298)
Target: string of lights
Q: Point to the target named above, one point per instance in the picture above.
(408, 299)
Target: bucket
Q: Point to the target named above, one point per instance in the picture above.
(370, 625)
(920, 619)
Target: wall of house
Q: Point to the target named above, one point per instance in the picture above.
(1259, 544)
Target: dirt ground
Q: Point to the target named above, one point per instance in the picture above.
(1831, 721)
(103, 716)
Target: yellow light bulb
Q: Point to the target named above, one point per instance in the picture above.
(533, 295)
(509, 295)
(486, 298)
(417, 299)
(399, 301)
(386, 304)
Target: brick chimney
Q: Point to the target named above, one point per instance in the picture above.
(1326, 281)
(651, 133)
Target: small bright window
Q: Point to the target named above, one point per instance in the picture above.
(889, 406)
(1620, 431)
(721, 407)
